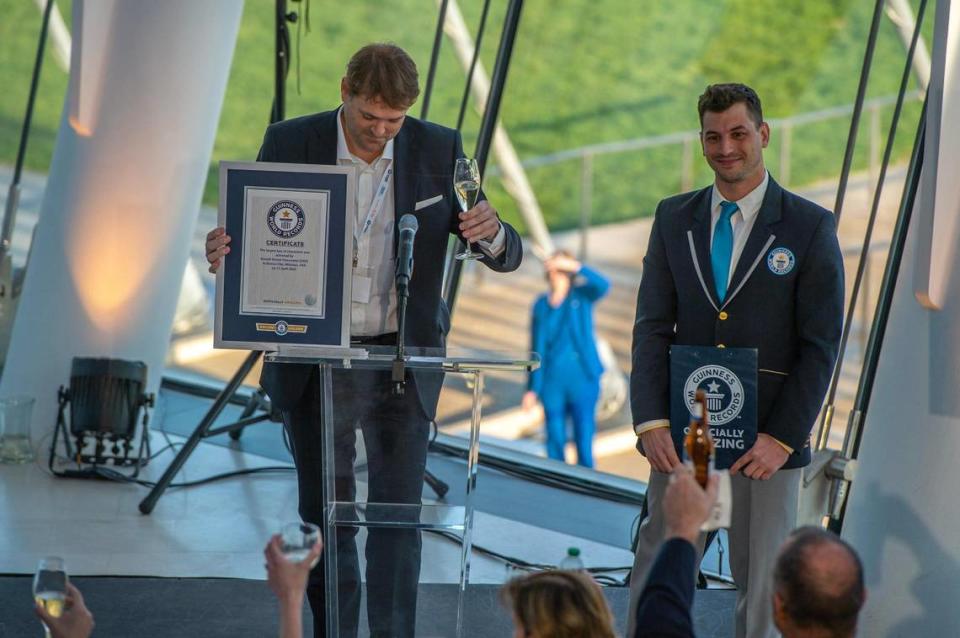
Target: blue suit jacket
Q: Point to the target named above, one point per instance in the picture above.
(663, 610)
(423, 160)
(794, 319)
(591, 287)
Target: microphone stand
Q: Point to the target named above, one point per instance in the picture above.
(398, 371)
(398, 374)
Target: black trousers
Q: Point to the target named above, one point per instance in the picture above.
(395, 432)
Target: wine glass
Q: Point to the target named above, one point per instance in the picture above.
(297, 539)
(466, 183)
(50, 587)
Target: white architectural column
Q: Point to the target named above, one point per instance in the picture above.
(146, 87)
(904, 513)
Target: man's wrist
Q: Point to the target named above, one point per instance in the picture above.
(292, 601)
(653, 424)
(687, 533)
(787, 448)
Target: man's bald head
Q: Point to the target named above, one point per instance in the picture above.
(818, 583)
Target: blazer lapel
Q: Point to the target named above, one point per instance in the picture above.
(700, 236)
(325, 150)
(404, 181)
(761, 236)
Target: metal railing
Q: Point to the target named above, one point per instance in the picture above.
(689, 140)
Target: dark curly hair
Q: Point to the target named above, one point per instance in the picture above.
(717, 98)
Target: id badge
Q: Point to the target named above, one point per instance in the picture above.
(361, 288)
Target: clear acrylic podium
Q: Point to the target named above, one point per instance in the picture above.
(350, 516)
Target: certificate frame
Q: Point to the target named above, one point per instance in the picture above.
(318, 250)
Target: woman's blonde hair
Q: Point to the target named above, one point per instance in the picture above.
(559, 604)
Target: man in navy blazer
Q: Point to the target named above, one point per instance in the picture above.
(741, 263)
(412, 161)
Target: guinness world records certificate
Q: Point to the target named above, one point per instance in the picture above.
(287, 277)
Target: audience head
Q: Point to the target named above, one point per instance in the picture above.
(558, 604)
(818, 585)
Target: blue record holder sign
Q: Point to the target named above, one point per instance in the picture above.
(728, 377)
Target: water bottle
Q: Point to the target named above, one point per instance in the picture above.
(572, 560)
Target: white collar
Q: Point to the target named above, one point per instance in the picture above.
(343, 153)
(749, 204)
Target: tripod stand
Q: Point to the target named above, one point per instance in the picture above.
(205, 430)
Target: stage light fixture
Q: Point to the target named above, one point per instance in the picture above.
(106, 398)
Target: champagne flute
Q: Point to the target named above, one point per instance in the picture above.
(297, 539)
(50, 587)
(466, 183)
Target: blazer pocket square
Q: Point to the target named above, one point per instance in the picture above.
(427, 202)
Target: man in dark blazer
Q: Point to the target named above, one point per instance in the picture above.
(742, 263)
(413, 161)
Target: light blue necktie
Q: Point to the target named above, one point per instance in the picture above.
(722, 249)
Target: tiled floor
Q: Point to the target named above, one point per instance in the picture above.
(215, 530)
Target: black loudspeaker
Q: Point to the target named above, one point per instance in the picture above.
(106, 398)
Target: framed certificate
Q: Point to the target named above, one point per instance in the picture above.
(286, 280)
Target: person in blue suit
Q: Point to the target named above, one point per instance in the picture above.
(742, 263)
(567, 382)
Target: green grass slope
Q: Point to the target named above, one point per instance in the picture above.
(583, 72)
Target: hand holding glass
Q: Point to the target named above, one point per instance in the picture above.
(298, 539)
(466, 183)
(50, 586)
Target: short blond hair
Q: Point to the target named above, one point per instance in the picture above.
(559, 604)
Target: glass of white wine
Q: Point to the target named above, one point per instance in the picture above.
(50, 586)
(297, 539)
(466, 183)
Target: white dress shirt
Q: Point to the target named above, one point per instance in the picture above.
(376, 313)
(741, 221)
(376, 261)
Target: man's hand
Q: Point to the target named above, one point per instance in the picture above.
(287, 579)
(217, 240)
(76, 620)
(529, 400)
(658, 448)
(762, 460)
(480, 222)
(686, 505)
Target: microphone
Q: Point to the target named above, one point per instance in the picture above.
(408, 229)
